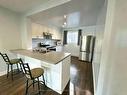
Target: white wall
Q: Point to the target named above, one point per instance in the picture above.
(38, 29)
(100, 26)
(26, 34)
(113, 68)
(74, 48)
(10, 37)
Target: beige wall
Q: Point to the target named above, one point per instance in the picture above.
(9, 30)
(10, 35)
(38, 29)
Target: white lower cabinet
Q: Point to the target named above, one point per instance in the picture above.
(56, 75)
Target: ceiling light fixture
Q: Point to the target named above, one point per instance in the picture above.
(65, 21)
(65, 16)
(63, 26)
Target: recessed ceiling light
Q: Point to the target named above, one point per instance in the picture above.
(65, 16)
(65, 23)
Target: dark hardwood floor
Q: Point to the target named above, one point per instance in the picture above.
(81, 82)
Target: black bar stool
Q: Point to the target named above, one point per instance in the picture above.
(11, 63)
(33, 75)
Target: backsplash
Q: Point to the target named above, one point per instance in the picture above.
(51, 42)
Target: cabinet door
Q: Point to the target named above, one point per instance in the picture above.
(53, 77)
(65, 71)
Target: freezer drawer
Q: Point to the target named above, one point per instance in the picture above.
(85, 56)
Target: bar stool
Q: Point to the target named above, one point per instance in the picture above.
(33, 74)
(10, 63)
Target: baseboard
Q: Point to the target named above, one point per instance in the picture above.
(94, 80)
(2, 73)
(74, 56)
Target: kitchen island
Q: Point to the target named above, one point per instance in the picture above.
(55, 64)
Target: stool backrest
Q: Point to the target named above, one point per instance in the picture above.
(6, 58)
(27, 70)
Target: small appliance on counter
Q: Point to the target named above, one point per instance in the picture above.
(86, 48)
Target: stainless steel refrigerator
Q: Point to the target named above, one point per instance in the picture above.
(86, 48)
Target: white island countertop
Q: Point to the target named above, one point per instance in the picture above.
(51, 57)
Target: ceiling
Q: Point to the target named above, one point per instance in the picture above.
(21, 6)
(79, 13)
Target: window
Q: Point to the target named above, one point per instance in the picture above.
(72, 37)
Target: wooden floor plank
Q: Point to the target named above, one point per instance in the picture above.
(81, 82)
